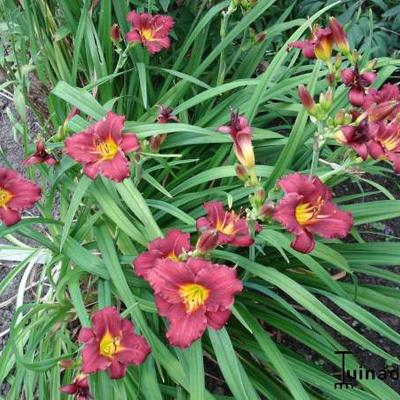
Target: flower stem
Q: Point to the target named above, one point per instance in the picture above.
(316, 148)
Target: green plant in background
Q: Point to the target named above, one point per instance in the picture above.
(223, 56)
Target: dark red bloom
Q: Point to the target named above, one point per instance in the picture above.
(16, 195)
(40, 156)
(231, 228)
(383, 103)
(111, 344)
(318, 46)
(241, 133)
(165, 115)
(151, 31)
(306, 209)
(102, 148)
(79, 388)
(193, 295)
(357, 83)
(386, 144)
(357, 137)
(171, 247)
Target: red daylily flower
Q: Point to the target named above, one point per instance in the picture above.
(231, 228)
(306, 209)
(102, 148)
(357, 83)
(318, 46)
(241, 133)
(193, 295)
(40, 156)
(151, 31)
(111, 344)
(79, 388)
(383, 103)
(16, 195)
(171, 247)
(357, 137)
(386, 144)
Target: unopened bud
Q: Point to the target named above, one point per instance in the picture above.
(67, 363)
(207, 241)
(260, 37)
(241, 172)
(115, 34)
(266, 210)
(326, 100)
(306, 99)
(156, 141)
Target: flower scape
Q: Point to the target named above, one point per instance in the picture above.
(191, 215)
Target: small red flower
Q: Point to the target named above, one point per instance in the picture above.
(357, 83)
(102, 148)
(231, 228)
(170, 247)
(151, 31)
(193, 295)
(306, 209)
(386, 144)
(318, 46)
(241, 133)
(16, 195)
(111, 344)
(79, 388)
(357, 137)
(40, 156)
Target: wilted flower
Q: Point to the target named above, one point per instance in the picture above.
(111, 344)
(102, 148)
(164, 116)
(306, 209)
(16, 195)
(151, 31)
(40, 156)
(386, 144)
(79, 388)
(383, 103)
(193, 295)
(231, 228)
(357, 83)
(318, 46)
(357, 137)
(241, 133)
(171, 247)
(339, 36)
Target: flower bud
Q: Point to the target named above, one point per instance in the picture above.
(266, 210)
(115, 34)
(156, 141)
(207, 241)
(67, 363)
(339, 36)
(306, 99)
(260, 37)
(326, 100)
(381, 111)
(241, 172)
